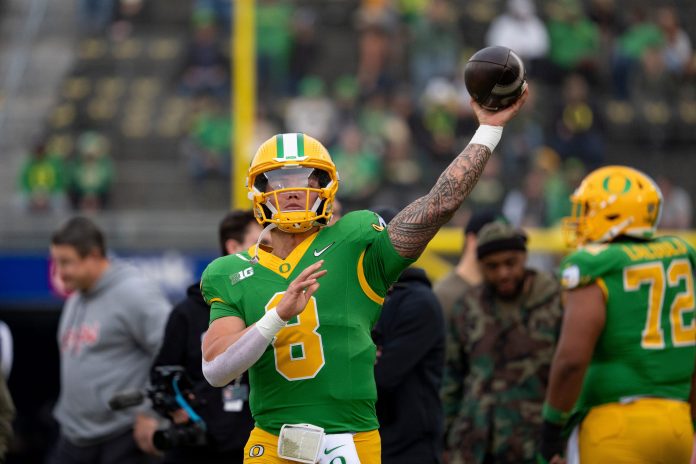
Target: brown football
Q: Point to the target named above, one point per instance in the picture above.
(495, 77)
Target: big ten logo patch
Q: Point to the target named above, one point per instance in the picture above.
(241, 275)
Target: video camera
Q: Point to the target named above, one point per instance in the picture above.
(171, 390)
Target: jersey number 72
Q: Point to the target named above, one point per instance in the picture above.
(657, 278)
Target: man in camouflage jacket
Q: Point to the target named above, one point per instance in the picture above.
(501, 340)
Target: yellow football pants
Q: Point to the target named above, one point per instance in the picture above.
(646, 431)
(262, 448)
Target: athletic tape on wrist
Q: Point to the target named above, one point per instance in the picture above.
(488, 136)
(270, 324)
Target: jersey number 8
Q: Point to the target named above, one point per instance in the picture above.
(298, 348)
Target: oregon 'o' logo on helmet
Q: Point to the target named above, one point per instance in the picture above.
(617, 184)
(613, 201)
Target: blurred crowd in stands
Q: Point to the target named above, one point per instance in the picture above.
(402, 112)
(50, 182)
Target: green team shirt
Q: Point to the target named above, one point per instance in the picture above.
(648, 343)
(320, 368)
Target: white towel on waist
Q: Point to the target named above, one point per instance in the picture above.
(339, 448)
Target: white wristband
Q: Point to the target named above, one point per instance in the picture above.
(488, 136)
(270, 324)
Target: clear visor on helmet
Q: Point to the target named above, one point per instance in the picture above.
(292, 188)
(291, 177)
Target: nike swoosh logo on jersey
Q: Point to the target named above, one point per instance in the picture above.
(329, 451)
(318, 253)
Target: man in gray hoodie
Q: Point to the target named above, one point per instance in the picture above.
(110, 331)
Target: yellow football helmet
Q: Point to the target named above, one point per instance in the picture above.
(292, 163)
(613, 201)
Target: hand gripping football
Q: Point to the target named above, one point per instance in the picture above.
(495, 77)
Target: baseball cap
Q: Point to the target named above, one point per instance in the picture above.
(499, 236)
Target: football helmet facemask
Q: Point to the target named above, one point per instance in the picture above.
(613, 201)
(292, 182)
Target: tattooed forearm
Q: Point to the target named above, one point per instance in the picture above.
(412, 229)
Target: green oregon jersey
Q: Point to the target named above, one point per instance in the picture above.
(648, 344)
(320, 368)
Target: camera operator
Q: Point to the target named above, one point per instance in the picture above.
(225, 411)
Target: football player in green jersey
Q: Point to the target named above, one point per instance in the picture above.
(625, 359)
(308, 347)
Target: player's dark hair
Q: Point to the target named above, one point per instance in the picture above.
(81, 234)
(234, 226)
(323, 177)
(261, 182)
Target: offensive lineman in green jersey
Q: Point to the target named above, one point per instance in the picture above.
(625, 359)
(308, 348)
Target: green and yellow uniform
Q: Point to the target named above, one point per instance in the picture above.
(319, 369)
(645, 354)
